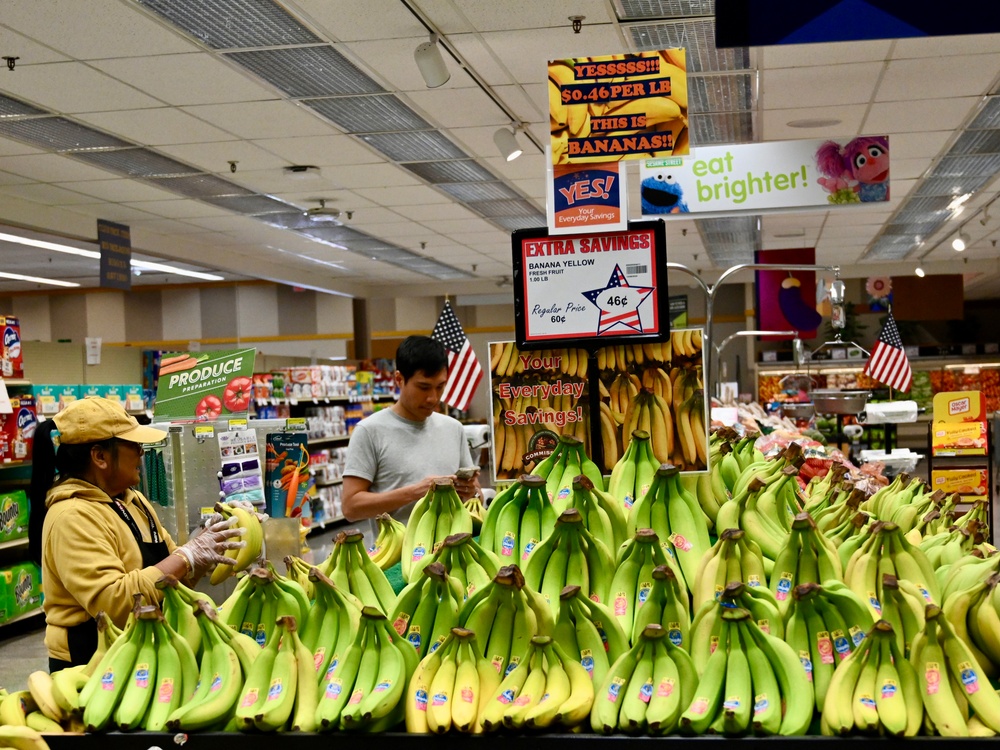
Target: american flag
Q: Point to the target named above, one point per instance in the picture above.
(464, 370)
(888, 363)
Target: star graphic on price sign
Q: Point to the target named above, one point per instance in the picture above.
(618, 303)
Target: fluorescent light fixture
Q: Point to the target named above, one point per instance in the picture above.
(145, 265)
(960, 242)
(919, 271)
(506, 142)
(36, 279)
(958, 200)
(431, 64)
(42, 244)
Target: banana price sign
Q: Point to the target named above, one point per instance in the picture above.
(538, 397)
(614, 107)
(607, 287)
(204, 386)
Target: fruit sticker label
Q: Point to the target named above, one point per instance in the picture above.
(841, 644)
(421, 699)
(857, 635)
(529, 548)
(867, 701)
(414, 637)
(621, 604)
(521, 700)
(731, 703)
(166, 692)
(646, 691)
(399, 624)
(250, 698)
(587, 660)
(382, 686)
(319, 657)
(784, 587)
(874, 603)
(681, 542)
(665, 689)
(644, 588)
(514, 661)
(275, 689)
(142, 675)
(699, 706)
(825, 647)
(506, 697)
(204, 386)
(674, 633)
(615, 688)
(216, 683)
(615, 107)
(760, 704)
(932, 676)
(507, 545)
(753, 581)
(108, 680)
(969, 677)
(807, 664)
(765, 626)
(889, 689)
(418, 552)
(356, 697)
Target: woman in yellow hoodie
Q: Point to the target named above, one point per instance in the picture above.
(100, 541)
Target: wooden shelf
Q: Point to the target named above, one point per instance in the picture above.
(14, 544)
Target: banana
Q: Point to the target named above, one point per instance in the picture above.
(66, 687)
(143, 680)
(112, 676)
(468, 681)
(252, 536)
(738, 702)
(708, 699)
(441, 691)
(933, 676)
(15, 707)
(21, 737)
(40, 687)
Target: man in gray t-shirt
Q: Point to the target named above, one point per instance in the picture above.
(396, 454)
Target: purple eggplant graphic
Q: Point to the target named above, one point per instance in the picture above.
(801, 315)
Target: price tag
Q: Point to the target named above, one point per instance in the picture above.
(204, 431)
(237, 424)
(295, 424)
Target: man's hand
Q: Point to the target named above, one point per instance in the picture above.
(467, 488)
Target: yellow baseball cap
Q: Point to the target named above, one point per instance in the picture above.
(93, 419)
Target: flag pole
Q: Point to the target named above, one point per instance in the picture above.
(888, 307)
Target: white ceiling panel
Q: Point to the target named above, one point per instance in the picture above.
(372, 19)
(398, 197)
(776, 127)
(224, 221)
(275, 118)
(111, 211)
(182, 208)
(437, 212)
(52, 168)
(189, 79)
(459, 108)
(73, 87)
(945, 46)
(50, 195)
(321, 151)
(531, 15)
(803, 55)
(10, 147)
(119, 190)
(816, 86)
(922, 143)
(165, 227)
(959, 75)
(391, 63)
(7, 178)
(916, 117)
(108, 28)
(215, 157)
(30, 51)
(155, 127)
(355, 177)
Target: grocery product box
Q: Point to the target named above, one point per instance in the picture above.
(17, 429)
(86, 391)
(114, 393)
(4, 604)
(51, 399)
(11, 361)
(971, 484)
(287, 475)
(133, 397)
(13, 516)
(23, 583)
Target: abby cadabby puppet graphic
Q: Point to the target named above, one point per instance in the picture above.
(857, 172)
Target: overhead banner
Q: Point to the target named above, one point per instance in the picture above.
(615, 107)
(204, 386)
(610, 286)
(786, 300)
(756, 177)
(116, 254)
(585, 198)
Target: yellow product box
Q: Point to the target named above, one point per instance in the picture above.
(958, 438)
(971, 484)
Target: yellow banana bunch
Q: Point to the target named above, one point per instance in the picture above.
(388, 547)
(253, 535)
(21, 737)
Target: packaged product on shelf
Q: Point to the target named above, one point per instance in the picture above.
(241, 478)
(51, 399)
(90, 390)
(23, 583)
(263, 386)
(13, 516)
(133, 397)
(971, 484)
(287, 474)
(11, 360)
(17, 429)
(5, 607)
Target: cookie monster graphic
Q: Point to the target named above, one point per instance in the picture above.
(662, 195)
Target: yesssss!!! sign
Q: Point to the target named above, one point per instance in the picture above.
(203, 386)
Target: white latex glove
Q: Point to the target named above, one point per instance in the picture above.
(250, 508)
(206, 550)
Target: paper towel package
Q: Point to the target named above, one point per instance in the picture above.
(891, 412)
(478, 435)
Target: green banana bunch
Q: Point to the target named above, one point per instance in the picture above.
(427, 609)
(670, 511)
(665, 605)
(957, 608)
(571, 461)
(808, 557)
(505, 614)
(364, 690)
(589, 633)
(350, 568)
(699, 486)
(843, 506)
(253, 535)
(518, 519)
(632, 476)
(952, 683)
(603, 517)
(471, 564)
(633, 578)
(298, 571)
(732, 558)
(437, 515)
(331, 625)
(742, 512)
(571, 555)
(476, 509)
(388, 547)
(646, 688)
(103, 691)
(707, 625)
(874, 691)
(903, 608)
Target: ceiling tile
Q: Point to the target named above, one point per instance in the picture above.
(10, 147)
(837, 53)
(459, 108)
(943, 46)
(50, 195)
(275, 118)
(71, 87)
(776, 127)
(320, 151)
(918, 144)
(30, 51)
(396, 197)
(111, 211)
(8, 178)
(371, 176)
(165, 226)
(195, 78)
(391, 62)
(225, 222)
(529, 14)
(917, 117)
(215, 157)
(436, 212)
(372, 19)
(460, 226)
(155, 127)
(119, 190)
(108, 29)
(956, 75)
(181, 208)
(819, 86)
(52, 168)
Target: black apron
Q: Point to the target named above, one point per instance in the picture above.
(82, 638)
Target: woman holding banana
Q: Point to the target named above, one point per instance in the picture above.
(98, 539)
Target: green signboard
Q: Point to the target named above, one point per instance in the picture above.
(203, 386)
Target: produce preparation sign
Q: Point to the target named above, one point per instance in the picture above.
(605, 286)
(204, 386)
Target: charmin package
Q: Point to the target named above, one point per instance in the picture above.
(11, 361)
(17, 429)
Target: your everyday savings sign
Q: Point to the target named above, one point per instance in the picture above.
(760, 176)
(203, 386)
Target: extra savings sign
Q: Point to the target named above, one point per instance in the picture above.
(203, 386)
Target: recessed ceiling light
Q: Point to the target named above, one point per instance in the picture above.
(36, 279)
(816, 122)
(302, 172)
